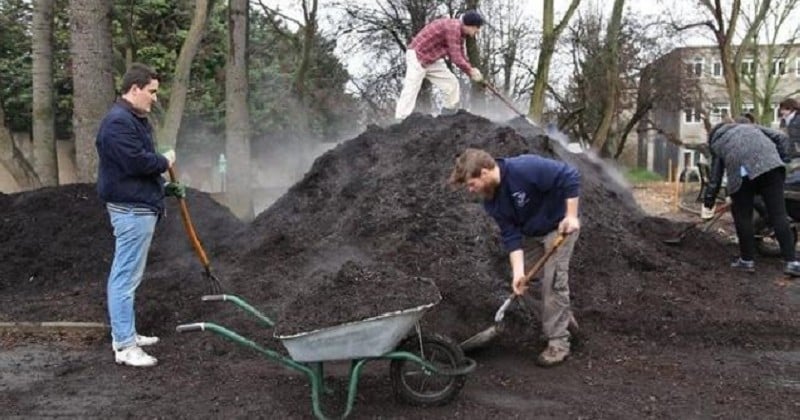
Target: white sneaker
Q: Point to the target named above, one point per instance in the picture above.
(134, 356)
(141, 341)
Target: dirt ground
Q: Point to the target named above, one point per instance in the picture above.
(666, 331)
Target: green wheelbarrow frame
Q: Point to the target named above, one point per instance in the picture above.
(314, 370)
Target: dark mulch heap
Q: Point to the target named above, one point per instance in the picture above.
(380, 199)
(358, 292)
(57, 244)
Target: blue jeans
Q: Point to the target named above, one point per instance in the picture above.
(133, 230)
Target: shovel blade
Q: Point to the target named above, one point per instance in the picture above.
(480, 339)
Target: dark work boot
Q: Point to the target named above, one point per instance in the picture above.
(792, 269)
(746, 266)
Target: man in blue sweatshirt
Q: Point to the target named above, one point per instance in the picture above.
(533, 200)
(129, 182)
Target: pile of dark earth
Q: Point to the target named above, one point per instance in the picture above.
(381, 200)
(361, 292)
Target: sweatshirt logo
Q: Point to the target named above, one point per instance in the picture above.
(520, 198)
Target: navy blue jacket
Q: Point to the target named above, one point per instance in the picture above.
(129, 168)
(531, 197)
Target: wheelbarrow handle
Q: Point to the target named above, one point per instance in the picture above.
(214, 298)
(197, 326)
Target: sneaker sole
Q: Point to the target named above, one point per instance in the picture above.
(554, 364)
(124, 363)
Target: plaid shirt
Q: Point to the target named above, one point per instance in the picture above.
(440, 38)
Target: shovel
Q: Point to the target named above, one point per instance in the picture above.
(215, 287)
(508, 103)
(484, 337)
(706, 225)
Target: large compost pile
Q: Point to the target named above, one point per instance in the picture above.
(667, 329)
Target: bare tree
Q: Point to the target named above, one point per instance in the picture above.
(237, 117)
(168, 131)
(92, 78)
(45, 161)
(724, 26)
(611, 61)
(550, 35)
(769, 54)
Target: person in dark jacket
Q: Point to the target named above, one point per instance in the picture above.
(790, 122)
(753, 157)
(129, 181)
(533, 200)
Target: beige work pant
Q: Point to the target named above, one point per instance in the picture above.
(437, 72)
(549, 297)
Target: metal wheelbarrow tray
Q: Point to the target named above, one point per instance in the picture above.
(426, 369)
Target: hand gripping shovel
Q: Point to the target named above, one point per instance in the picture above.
(706, 225)
(215, 287)
(484, 337)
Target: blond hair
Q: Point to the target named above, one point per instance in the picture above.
(469, 165)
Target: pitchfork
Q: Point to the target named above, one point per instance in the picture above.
(214, 286)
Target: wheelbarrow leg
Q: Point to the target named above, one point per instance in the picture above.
(317, 387)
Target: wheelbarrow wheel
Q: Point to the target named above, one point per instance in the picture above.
(417, 386)
(766, 243)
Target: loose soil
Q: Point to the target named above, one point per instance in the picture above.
(665, 331)
(355, 293)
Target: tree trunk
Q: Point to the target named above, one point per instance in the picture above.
(309, 35)
(45, 161)
(168, 132)
(92, 78)
(237, 116)
(550, 35)
(601, 135)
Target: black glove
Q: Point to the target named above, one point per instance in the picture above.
(175, 189)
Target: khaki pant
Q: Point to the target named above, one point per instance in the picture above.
(437, 72)
(548, 298)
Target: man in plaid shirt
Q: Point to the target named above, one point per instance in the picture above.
(425, 59)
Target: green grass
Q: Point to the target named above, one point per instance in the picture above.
(639, 175)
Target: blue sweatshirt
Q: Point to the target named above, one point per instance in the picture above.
(531, 197)
(129, 170)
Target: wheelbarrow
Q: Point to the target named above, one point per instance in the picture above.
(425, 370)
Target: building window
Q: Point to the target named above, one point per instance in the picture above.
(797, 68)
(691, 116)
(748, 108)
(717, 69)
(748, 67)
(778, 67)
(695, 67)
(719, 112)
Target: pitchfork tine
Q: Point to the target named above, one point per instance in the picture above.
(214, 284)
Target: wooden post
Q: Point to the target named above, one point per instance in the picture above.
(669, 170)
(677, 188)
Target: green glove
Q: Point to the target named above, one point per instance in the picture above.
(175, 189)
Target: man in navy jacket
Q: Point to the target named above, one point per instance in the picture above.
(533, 200)
(129, 181)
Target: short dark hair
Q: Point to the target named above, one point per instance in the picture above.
(469, 165)
(790, 104)
(138, 74)
(472, 18)
(746, 118)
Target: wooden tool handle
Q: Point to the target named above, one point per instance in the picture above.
(187, 224)
(547, 254)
